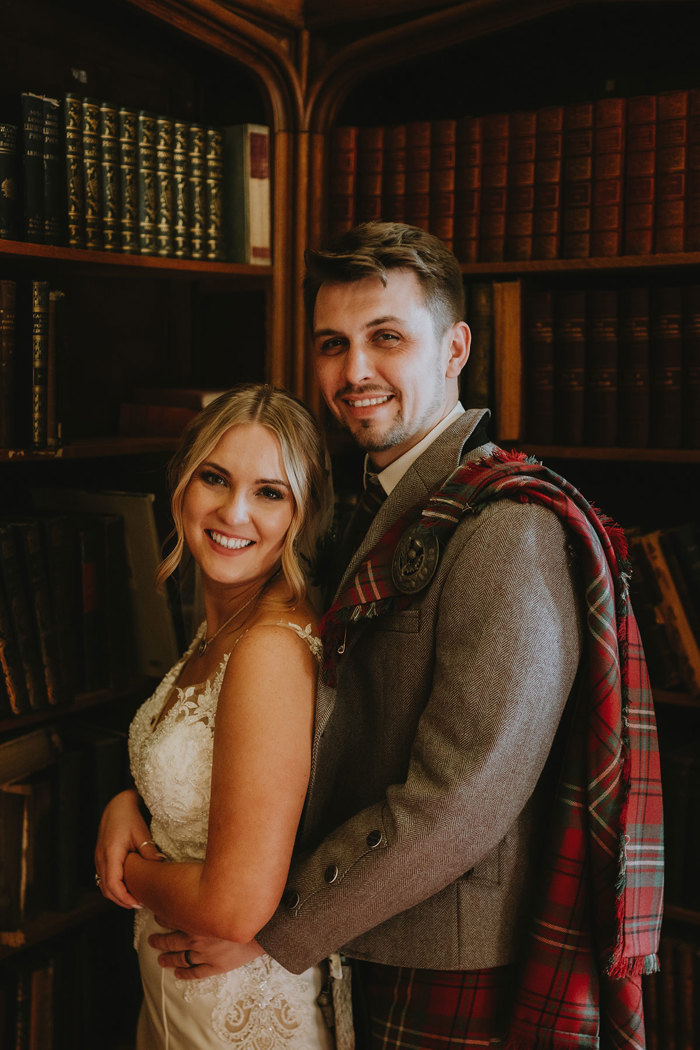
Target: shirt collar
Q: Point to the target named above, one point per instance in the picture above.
(390, 476)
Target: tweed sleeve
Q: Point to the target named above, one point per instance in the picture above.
(468, 709)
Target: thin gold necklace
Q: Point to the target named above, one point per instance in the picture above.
(206, 642)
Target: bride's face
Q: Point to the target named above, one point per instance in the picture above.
(238, 507)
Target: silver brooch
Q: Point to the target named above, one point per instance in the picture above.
(415, 559)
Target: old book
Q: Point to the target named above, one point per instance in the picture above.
(443, 158)
(683, 584)
(549, 152)
(181, 191)
(54, 183)
(418, 137)
(141, 419)
(569, 365)
(608, 177)
(128, 180)
(577, 180)
(110, 177)
(247, 222)
(17, 601)
(157, 645)
(394, 182)
(477, 376)
(26, 828)
(686, 952)
(646, 601)
(41, 1005)
(74, 177)
(71, 794)
(8, 181)
(342, 179)
(633, 378)
(197, 149)
(40, 357)
(640, 175)
(14, 831)
(468, 172)
(15, 685)
(22, 755)
(494, 186)
(692, 204)
(92, 171)
(507, 361)
(685, 542)
(8, 349)
(187, 397)
(521, 185)
(539, 367)
(665, 367)
(32, 118)
(600, 398)
(671, 170)
(690, 378)
(370, 173)
(216, 243)
(61, 545)
(148, 189)
(165, 185)
(680, 633)
(54, 421)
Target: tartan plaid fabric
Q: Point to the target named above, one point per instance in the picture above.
(595, 928)
(408, 1009)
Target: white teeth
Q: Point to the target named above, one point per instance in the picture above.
(229, 542)
(365, 402)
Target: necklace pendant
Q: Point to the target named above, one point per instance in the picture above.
(203, 646)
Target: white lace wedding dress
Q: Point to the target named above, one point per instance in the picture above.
(261, 1006)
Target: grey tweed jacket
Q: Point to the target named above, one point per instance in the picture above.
(426, 797)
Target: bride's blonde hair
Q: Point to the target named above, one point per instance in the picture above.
(304, 456)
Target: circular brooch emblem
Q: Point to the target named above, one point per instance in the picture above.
(415, 560)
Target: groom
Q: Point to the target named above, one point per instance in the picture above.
(429, 794)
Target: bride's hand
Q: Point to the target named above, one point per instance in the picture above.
(122, 830)
(194, 957)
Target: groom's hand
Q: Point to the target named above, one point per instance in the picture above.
(194, 957)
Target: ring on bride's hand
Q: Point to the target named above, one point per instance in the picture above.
(146, 842)
(188, 958)
(98, 879)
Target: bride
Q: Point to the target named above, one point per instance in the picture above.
(220, 754)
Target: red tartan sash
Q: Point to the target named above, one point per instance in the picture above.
(595, 927)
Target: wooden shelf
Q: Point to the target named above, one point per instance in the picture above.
(53, 923)
(134, 264)
(82, 702)
(615, 264)
(679, 914)
(89, 448)
(667, 698)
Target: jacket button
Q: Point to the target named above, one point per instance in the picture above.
(331, 873)
(291, 899)
(374, 839)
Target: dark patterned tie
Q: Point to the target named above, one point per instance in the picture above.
(367, 506)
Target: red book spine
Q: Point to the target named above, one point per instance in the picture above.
(521, 185)
(443, 151)
(394, 184)
(578, 180)
(569, 366)
(691, 367)
(665, 368)
(539, 355)
(640, 177)
(342, 182)
(370, 167)
(633, 412)
(671, 171)
(692, 204)
(608, 169)
(418, 135)
(468, 174)
(494, 183)
(601, 369)
(549, 147)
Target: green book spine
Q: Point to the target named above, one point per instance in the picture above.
(215, 186)
(110, 177)
(40, 354)
(75, 185)
(129, 182)
(165, 186)
(8, 180)
(198, 190)
(53, 173)
(91, 173)
(181, 191)
(148, 198)
(32, 108)
(8, 326)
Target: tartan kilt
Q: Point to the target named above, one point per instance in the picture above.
(401, 1008)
